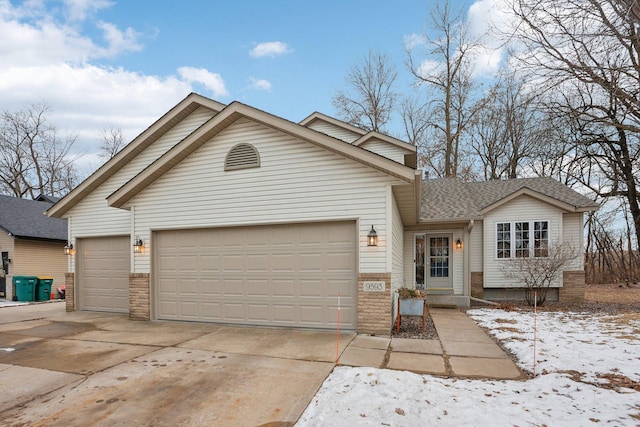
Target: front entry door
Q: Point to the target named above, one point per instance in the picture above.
(433, 263)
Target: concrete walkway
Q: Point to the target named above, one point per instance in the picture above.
(462, 350)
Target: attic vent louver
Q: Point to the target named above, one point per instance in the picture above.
(242, 156)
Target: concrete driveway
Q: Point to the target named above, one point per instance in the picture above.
(59, 368)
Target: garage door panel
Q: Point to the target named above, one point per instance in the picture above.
(284, 313)
(311, 315)
(283, 262)
(283, 275)
(189, 287)
(233, 287)
(340, 262)
(234, 311)
(311, 288)
(233, 263)
(283, 287)
(211, 287)
(257, 288)
(103, 274)
(211, 311)
(312, 262)
(258, 313)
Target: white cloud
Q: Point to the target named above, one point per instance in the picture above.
(488, 62)
(45, 57)
(43, 40)
(412, 40)
(486, 20)
(429, 67)
(86, 98)
(270, 49)
(212, 81)
(77, 10)
(260, 84)
(118, 41)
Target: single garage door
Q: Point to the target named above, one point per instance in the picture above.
(282, 275)
(102, 281)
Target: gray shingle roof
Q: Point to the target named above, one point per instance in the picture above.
(25, 219)
(454, 199)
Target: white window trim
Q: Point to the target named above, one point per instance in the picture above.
(512, 234)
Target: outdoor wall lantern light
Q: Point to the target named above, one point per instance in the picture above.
(372, 237)
(458, 244)
(68, 249)
(138, 245)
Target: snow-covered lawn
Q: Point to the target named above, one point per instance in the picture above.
(587, 364)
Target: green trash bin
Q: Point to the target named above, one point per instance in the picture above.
(25, 287)
(43, 288)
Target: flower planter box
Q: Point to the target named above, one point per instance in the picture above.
(412, 307)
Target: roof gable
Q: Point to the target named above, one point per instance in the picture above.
(26, 219)
(230, 115)
(160, 127)
(410, 151)
(319, 117)
(369, 136)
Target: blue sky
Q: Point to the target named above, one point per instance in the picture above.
(101, 63)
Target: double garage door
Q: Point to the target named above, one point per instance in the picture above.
(282, 275)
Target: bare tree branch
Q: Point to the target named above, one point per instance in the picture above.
(369, 99)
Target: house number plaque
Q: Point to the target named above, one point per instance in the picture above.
(371, 286)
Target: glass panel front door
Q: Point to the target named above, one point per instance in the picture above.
(433, 262)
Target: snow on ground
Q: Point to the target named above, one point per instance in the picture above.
(574, 351)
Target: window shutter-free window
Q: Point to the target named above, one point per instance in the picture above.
(526, 238)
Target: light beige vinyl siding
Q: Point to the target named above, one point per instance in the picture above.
(397, 247)
(523, 208)
(573, 234)
(7, 245)
(386, 149)
(34, 258)
(475, 247)
(296, 182)
(92, 216)
(458, 262)
(409, 258)
(334, 131)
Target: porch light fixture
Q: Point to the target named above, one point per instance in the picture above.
(458, 244)
(138, 245)
(372, 237)
(68, 249)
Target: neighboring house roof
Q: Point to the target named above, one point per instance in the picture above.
(451, 199)
(230, 115)
(25, 219)
(44, 198)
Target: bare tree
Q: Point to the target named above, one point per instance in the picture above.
(538, 273)
(610, 257)
(33, 159)
(507, 130)
(111, 142)
(585, 56)
(446, 73)
(369, 100)
(415, 120)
